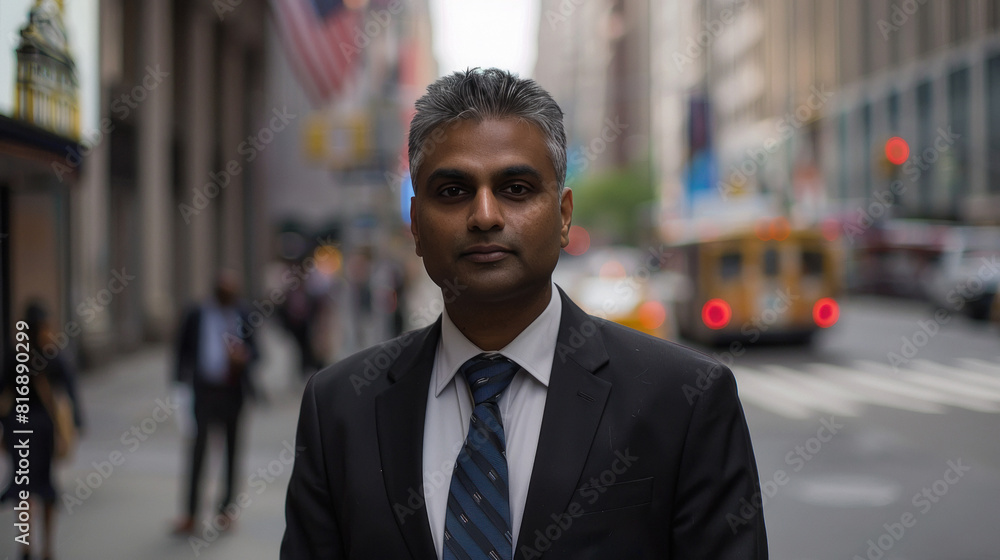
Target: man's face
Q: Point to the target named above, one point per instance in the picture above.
(487, 217)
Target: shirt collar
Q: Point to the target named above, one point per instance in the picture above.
(533, 349)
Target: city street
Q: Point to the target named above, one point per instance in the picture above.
(845, 447)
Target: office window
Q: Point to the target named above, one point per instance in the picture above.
(842, 157)
(865, 31)
(866, 149)
(958, 119)
(925, 140)
(993, 124)
(959, 20)
(893, 105)
(925, 29)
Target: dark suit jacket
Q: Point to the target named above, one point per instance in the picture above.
(644, 452)
(189, 344)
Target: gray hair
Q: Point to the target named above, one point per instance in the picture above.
(485, 94)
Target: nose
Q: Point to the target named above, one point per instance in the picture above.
(486, 213)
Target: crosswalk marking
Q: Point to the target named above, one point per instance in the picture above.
(836, 401)
(980, 366)
(959, 380)
(900, 381)
(818, 388)
(752, 391)
(970, 376)
(871, 394)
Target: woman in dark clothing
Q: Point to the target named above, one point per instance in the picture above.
(47, 377)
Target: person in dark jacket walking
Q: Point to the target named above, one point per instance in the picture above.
(215, 349)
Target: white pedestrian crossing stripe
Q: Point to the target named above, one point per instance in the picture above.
(925, 386)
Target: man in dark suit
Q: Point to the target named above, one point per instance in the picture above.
(516, 425)
(215, 348)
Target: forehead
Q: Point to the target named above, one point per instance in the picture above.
(481, 147)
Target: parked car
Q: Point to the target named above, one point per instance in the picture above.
(622, 284)
(967, 275)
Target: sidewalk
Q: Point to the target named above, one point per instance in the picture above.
(124, 487)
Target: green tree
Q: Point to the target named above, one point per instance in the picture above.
(612, 204)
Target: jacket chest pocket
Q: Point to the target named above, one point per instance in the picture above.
(599, 498)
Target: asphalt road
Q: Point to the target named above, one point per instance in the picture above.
(862, 455)
(846, 447)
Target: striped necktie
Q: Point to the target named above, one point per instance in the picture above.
(477, 524)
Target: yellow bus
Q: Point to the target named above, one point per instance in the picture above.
(773, 283)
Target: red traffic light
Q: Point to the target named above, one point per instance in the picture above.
(897, 150)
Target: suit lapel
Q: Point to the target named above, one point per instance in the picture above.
(573, 409)
(399, 415)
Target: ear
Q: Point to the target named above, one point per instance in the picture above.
(566, 211)
(413, 226)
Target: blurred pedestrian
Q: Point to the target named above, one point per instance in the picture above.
(215, 351)
(53, 420)
(298, 315)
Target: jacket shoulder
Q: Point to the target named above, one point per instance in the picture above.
(365, 373)
(631, 350)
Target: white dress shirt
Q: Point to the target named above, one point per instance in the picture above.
(450, 404)
(213, 357)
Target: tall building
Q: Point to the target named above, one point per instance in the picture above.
(928, 72)
(801, 96)
(46, 94)
(576, 44)
(117, 224)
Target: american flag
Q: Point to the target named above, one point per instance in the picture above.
(319, 40)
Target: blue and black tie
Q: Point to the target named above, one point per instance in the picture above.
(478, 521)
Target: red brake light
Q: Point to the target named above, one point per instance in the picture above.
(826, 312)
(716, 313)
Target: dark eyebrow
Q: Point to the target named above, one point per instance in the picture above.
(505, 173)
(518, 170)
(449, 173)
